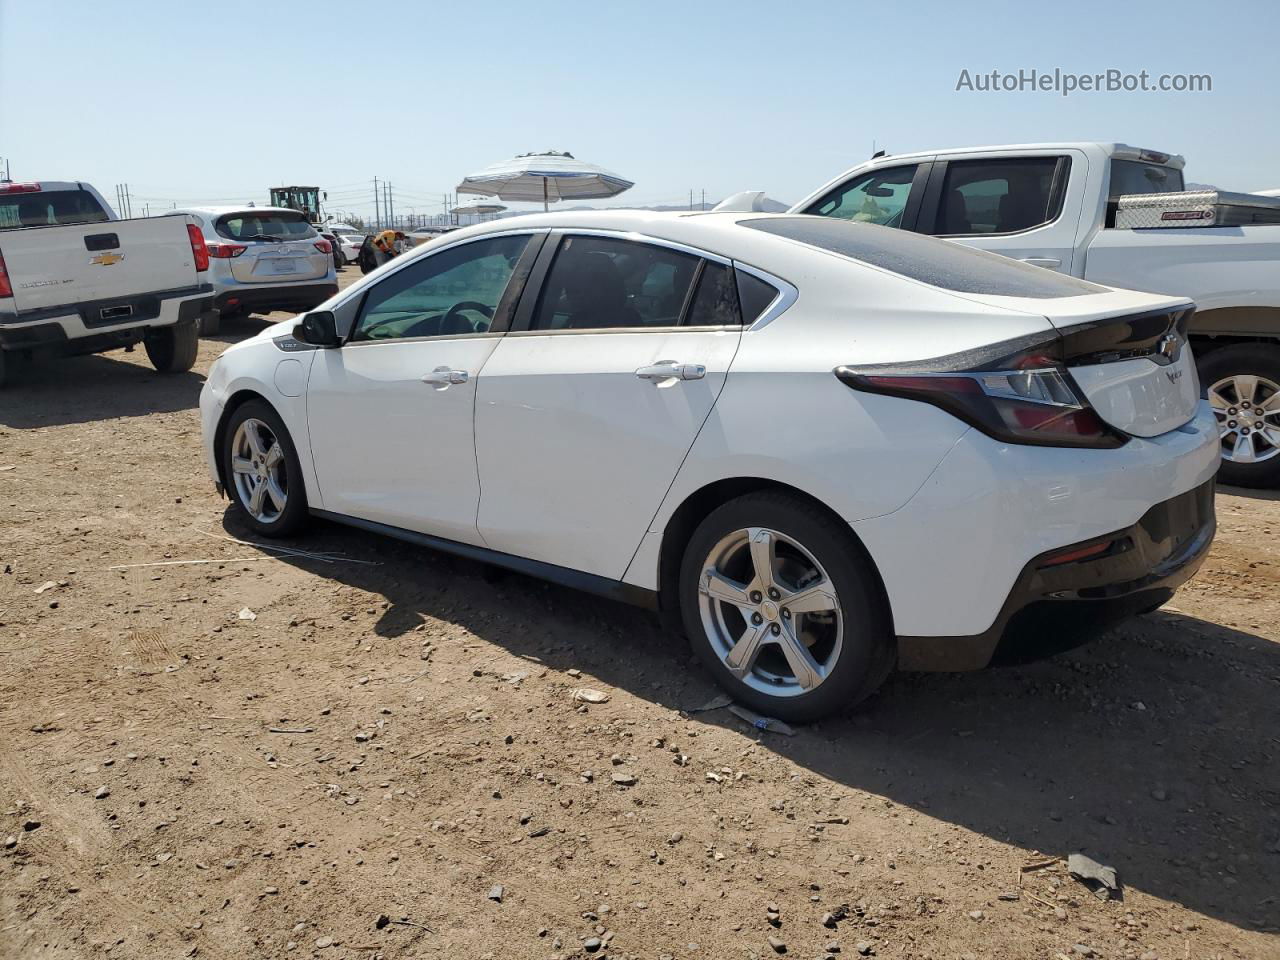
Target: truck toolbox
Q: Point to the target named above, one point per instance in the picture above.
(1195, 208)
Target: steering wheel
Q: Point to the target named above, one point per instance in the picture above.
(452, 322)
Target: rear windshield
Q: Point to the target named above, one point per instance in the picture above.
(939, 263)
(265, 225)
(1134, 176)
(49, 207)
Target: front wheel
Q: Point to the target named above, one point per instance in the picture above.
(173, 349)
(1242, 383)
(261, 470)
(784, 607)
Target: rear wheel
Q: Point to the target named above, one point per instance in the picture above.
(260, 467)
(784, 608)
(173, 349)
(1242, 383)
(210, 324)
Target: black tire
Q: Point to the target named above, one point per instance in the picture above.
(294, 516)
(211, 324)
(173, 349)
(4, 369)
(868, 650)
(1253, 359)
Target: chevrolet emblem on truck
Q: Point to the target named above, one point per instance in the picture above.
(107, 259)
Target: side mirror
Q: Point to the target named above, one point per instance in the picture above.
(320, 329)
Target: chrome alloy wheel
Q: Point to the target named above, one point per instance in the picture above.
(258, 469)
(770, 612)
(1248, 412)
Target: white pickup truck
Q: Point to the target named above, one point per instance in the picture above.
(76, 279)
(1055, 205)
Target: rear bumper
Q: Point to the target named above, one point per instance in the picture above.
(1053, 607)
(293, 297)
(69, 334)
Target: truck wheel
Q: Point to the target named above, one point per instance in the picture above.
(173, 349)
(211, 324)
(3, 364)
(1242, 383)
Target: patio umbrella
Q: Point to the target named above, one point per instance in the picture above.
(547, 177)
(479, 205)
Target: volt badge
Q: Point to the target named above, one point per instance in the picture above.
(107, 259)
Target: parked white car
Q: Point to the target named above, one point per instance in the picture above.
(263, 259)
(349, 244)
(1059, 205)
(76, 279)
(822, 448)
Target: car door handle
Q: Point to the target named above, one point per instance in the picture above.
(443, 376)
(1042, 261)
(671, 370)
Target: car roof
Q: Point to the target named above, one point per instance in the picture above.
(224, 210)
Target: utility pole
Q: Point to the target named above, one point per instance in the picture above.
(391, 204)
(691, 198)
(377, 216)
(703, 204)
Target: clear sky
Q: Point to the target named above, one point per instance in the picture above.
(200, 101)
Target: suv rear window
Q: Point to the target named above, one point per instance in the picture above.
(264, 225)
(939, 263)
(49, 207)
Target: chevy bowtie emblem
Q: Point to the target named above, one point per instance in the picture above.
(107, 259)
(1170, 346)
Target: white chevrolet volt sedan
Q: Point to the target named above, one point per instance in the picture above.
(820, 448)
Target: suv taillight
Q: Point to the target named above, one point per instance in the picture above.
(1026, 397)
(324, 246)
(6, 288)
(225, 251)
(198, 249)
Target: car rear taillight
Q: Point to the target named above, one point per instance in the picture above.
(225, 251)
(6, 288)
(1026, 397)
(323, 246)
(19, 188)
(198, 249)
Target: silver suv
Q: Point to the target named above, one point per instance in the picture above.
(263, 259)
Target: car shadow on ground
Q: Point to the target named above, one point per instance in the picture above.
(1249, 492)
(1154, 749)
(86, 389)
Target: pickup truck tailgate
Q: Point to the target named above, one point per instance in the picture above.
(82, 265)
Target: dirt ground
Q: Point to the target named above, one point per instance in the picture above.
(283, 756)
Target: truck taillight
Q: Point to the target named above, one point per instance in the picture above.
(19, 188)
(198, 249)
(225, 251)
(6, 288)
(323, 246)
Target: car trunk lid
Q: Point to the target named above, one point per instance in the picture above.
(1128, 354)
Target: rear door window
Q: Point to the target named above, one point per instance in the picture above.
(879, 196)
(49, 208)
(715, 300)
(600, 283)
(999, 196)
(264, 225)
